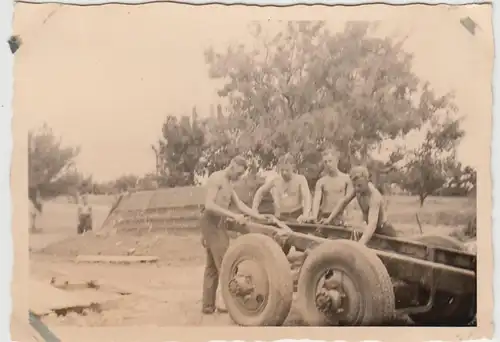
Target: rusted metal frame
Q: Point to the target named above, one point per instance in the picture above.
(430, 301)
(447, 278)
(414, 249)
(452, 279)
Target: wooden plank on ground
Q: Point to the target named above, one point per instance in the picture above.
(67, 283)
(116, 259)
(44, 298)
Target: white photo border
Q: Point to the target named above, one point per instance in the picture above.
(6, 138)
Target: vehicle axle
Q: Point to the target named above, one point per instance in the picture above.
(329, 301)
(241, 286)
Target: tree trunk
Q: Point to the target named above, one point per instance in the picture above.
(422, 198)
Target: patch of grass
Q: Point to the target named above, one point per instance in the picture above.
(449, 211)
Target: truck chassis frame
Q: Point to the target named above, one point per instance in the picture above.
(425, 269)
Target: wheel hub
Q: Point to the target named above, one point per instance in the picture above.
(337, 298)
(329, 301)
(249, 286)
(241, 285)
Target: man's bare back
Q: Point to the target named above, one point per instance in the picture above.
(371, 203)
(224, 189)
(365, 200)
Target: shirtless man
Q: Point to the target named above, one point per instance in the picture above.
(329, 189)
(290, 192)
(370, 202)
(220, 195)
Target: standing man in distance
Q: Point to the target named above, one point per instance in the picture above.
(220, 195)
(84, 215)
(290, 192)
(371, 203)
(330, 189)
(35, 207)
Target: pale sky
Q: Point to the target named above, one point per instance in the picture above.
(105, 77)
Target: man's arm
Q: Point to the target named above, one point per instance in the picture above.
(348, 189)
(244, 208)
(306, 196)
(318, 195)
(276, 202)
(210, 205)
(371, 226)
(257, 199)
(341, 205)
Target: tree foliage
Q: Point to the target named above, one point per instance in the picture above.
(220, 144)
(181, 149)
(126, 182)
(462, 182)
(150, 181)
(430, 165)
(304, 89)
(52, 171)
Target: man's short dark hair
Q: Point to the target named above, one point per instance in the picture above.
(287, 159)
(331, 151)
(241, 161)
(359, 171)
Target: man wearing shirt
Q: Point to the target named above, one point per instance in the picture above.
(84, 216)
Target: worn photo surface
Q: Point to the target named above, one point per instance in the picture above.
(181, 166)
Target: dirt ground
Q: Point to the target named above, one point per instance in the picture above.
(166, 293)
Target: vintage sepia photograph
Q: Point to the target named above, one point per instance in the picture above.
(225, 166)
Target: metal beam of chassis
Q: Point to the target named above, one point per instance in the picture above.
(402, 261)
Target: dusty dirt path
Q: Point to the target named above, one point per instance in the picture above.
(157, 295)
(167, 293)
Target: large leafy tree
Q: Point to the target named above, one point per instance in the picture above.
(220, 143)
(52, 170)
(181, 150)
(304, 88)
